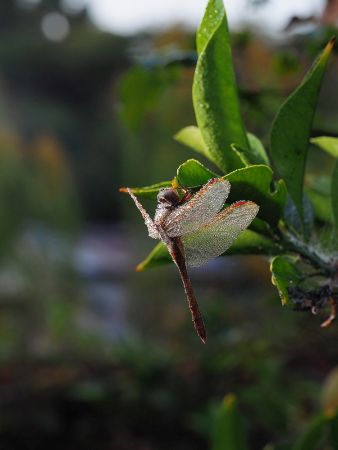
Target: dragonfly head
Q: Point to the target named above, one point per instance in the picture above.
(168, 198)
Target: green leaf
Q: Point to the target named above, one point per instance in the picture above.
(253, 183)
(261, 227)
(215, 96)
(227, 430)
(293, 221)
(323, 193)
(291, 129)
(192, 137)
(242, 154)
(248, 243)
(157, 257)
(321, 205)
(318, 190)
(334, 193)
(248, 183)
(313, 435)
(327, 143)
(257, 154)
(148, 191)
(192, 173)
(285, 275)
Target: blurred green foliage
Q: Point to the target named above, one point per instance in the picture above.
(35, 185)
(66, 90)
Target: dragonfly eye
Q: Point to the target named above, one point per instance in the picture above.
(168, 197)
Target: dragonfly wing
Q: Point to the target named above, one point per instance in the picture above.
(176, 251)
(217, 236)
(199, 210)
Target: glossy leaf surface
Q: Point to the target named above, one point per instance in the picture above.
(215, 96)
(292, 126)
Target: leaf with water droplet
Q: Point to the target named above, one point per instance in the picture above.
(215, 95)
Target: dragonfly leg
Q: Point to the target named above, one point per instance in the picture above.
(152, 231)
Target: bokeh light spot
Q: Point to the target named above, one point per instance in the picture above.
(55, 26)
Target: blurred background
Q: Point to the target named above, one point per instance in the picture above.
(93, 355)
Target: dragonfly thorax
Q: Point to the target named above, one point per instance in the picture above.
(168, 198)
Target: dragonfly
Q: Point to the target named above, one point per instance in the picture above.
(195, 229)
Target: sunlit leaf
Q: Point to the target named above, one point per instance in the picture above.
(148, 191)
(291, 129)
(192, 138)
(215, 96)
(285, 275)
(327, 143)
(192, 173)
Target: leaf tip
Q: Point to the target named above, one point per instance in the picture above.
(329, 46)
(139, 267)
(332, 41)
(275, 283)
(177, 136)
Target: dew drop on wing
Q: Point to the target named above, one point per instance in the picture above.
(216, 237)
(199, 210)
